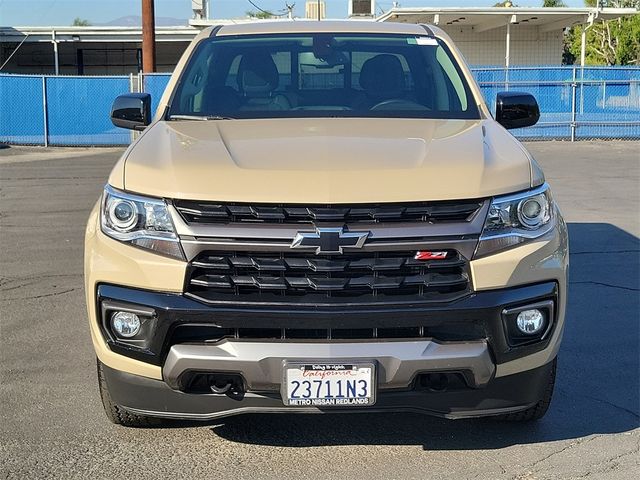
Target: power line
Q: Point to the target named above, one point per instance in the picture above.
(15, 50)
(267, 12)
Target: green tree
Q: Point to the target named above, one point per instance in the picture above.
(79, 22)
(553, 3)
(262, 15)
(614, 42)
(612, 3)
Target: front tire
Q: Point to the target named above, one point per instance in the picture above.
(115, 413)
(537, 411)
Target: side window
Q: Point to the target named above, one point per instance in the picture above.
(283, 63)
(453, 77)
(192, 88)
(232, 76)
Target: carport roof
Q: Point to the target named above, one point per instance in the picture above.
(94, 34)
(488, 18)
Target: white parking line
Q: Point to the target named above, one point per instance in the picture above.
(37, 154)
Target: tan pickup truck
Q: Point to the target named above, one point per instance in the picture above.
(325, 216)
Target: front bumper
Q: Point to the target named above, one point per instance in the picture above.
(155, 398)
(399, 362)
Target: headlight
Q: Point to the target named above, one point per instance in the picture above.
(140, 221)
(515, 219)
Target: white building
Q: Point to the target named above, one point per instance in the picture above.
(315, 10)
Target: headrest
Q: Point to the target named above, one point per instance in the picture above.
(382, 76)
(257, 74)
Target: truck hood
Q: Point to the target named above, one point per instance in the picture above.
(326, 160)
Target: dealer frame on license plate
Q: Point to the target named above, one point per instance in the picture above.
(335, 384)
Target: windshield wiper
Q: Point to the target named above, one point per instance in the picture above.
(199, 117)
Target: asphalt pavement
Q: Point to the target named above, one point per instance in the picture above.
(51, 418)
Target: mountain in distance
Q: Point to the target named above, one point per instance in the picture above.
(136, 21)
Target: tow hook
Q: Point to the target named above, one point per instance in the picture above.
(221, 390)
(229, 385)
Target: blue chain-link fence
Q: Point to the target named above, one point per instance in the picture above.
(78, 110)
(576, 104)
(58, 110)
(22, 115)
(155, 84)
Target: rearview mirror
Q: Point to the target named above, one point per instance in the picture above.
(516, 110)
(132, 111)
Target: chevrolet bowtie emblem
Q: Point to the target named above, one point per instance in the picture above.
(329, 240)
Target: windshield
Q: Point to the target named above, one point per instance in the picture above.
(322, 75)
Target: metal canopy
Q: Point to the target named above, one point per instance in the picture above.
(94, 34)
(484, 19)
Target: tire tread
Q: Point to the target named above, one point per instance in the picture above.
(115, 413)
(537, 411)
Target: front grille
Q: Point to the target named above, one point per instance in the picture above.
(308, 278)
(431, 212)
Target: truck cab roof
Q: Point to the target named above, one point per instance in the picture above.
(325, 26)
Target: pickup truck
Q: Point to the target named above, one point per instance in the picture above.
(325, 217)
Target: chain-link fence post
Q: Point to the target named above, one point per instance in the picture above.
(573, 105)
(45, 112)
(581, 89)
(506, 79)
(136, 85)
(132, 89)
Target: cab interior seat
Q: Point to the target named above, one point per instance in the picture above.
(258, 80)
(381, 79)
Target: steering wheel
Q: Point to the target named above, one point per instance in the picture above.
(398, 103)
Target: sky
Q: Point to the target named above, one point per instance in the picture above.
(62, 12)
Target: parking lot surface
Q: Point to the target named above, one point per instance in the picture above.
(52, 424)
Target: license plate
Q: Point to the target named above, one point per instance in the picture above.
(329, 384)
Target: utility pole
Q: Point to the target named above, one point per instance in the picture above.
(148, 37)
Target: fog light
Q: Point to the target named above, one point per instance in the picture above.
(126, 324)
(530, 322)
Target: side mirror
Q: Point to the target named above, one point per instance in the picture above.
(516, 110)
(132, 111)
